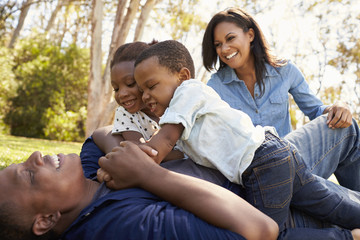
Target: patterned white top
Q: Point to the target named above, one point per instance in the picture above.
(138, 122)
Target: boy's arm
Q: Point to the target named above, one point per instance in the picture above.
(173, 155)
(131, 167)
(165, 139)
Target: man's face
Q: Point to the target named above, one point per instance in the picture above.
(43, 184)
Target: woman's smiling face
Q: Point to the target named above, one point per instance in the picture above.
(232, 44)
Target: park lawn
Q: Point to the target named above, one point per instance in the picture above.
(17, 149)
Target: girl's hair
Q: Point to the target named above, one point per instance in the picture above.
(259, 46)
(129, 52)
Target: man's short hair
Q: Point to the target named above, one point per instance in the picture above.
(13, 227)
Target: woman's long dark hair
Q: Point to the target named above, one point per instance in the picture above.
(259, 46)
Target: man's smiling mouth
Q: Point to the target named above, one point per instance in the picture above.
(55, 159)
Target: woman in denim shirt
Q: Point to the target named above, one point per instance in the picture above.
(252, 80)
(249, 78)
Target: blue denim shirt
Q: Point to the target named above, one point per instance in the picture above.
(272, 107)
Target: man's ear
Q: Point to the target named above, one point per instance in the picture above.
(184, 74)
(44, 222)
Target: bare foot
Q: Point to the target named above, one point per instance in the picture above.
(356, 233)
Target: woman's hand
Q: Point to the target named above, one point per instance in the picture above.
(339, 115)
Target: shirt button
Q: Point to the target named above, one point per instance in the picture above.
(256, 111)
(256, 95)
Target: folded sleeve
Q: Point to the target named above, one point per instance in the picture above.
(187, 105)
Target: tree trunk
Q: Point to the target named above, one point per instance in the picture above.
(95, 84)
(108, 106)
(54, 14)
(128, 20)
(145, 12)
(108, 109)
(108, 103)
(24, 11)
(105, 108)
(116, 30)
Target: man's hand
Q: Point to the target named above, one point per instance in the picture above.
(339, 115)
(127, 166)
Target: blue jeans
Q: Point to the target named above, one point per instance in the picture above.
(326, 151)
(278, 177)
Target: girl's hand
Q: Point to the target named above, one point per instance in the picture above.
(103, 176)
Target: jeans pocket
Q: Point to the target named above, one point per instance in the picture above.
(275, 181)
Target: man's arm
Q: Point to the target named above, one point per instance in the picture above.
(129, 166)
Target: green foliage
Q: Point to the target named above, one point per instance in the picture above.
(7, 84)
(18, 149)
(6, 15)
(182, 16)
(331, 95)
(65, 125)
(48, 76)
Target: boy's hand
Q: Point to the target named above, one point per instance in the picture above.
(127, 165)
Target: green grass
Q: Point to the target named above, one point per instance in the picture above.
(17, 149)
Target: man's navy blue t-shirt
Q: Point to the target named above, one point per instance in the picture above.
(137, 214)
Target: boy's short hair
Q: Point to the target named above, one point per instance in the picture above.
(171, 54)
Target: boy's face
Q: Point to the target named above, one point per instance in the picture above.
(157, 83)
(126, 91)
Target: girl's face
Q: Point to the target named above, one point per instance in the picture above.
(232, 44)
(127, 93)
